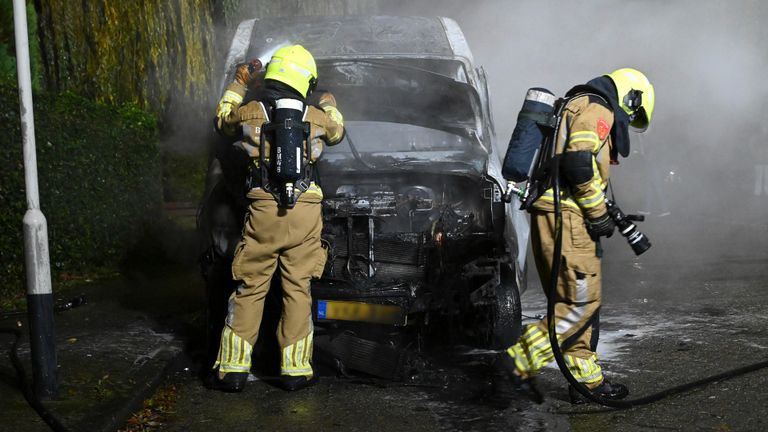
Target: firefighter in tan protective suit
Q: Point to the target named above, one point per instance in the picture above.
(593, 131)
(283, 225)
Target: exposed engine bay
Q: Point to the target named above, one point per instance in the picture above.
(401, 237)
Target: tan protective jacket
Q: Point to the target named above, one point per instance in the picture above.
(586, 125)
(324, 128)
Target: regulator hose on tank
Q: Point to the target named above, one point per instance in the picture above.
(556, 351)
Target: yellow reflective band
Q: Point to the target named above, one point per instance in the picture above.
(540, 349)
(234, 353)
(584, 136)
(296, 358)
(584, 370)
(232, 97)
(230, 345)
(287, 354)
(313, 189)
(532, 332)
(533, 352)
(592, 204)
(232, 350)
(549, 196)
(592, 200)
(534, 338)
(297, 353)
(310, 343)
(521, 361)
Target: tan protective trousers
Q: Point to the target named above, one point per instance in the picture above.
(578, 298)
(288, 239)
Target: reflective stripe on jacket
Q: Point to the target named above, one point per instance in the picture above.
(586, 126)
(325, 126)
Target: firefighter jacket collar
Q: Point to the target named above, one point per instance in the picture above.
(604, 87)
(275, 90)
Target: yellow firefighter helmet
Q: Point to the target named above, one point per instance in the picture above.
(294, 66)
(636, 96)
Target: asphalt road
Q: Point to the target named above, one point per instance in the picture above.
(694, 306)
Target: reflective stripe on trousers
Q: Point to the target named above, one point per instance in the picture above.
(296, 359)
(533, 351)
(234, 353)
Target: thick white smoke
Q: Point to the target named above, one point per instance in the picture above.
(706, 59)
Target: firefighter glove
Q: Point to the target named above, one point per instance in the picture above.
(601, 226)
(325, 99)
(328, 103)
(246, 72)
(228, 101)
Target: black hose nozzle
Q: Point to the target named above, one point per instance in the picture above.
(636, 239)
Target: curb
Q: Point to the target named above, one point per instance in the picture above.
(142, 392)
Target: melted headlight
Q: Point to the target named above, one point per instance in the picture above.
(415, 198)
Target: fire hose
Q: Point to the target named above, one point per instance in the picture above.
(24, 385)
(557, 352)
(26, 389)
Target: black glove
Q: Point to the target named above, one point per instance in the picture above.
(601, 226)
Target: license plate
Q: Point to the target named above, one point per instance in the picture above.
(357, 311)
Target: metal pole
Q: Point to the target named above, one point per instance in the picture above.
(38, 266)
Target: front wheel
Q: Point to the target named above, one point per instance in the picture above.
(504, 318)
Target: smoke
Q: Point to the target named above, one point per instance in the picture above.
(706, 60)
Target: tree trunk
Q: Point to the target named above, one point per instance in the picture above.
(147, 52)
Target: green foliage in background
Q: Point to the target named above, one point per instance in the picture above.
(100, 183)
(154, 54)
(8, 44)
(184, 176)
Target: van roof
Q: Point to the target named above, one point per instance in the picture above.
(355, 35)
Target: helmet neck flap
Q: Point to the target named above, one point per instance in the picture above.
(620, 130)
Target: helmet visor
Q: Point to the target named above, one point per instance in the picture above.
(638, 120)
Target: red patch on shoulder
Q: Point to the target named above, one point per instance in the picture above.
(602, 129)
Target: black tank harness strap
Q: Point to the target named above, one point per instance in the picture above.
(262, 172)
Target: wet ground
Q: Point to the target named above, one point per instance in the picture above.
(694, 306)
(677, 314)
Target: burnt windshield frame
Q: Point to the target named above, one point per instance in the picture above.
(388, 91)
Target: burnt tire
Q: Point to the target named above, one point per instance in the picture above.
(504, 318)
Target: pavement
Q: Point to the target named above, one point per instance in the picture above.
(112, 352)
(144, 328)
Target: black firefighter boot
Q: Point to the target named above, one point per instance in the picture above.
(508, 385)
(292, 383)
(233, 382)
(605, 391)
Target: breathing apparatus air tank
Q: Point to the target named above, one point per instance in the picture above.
(289, 134)
(534, 122)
